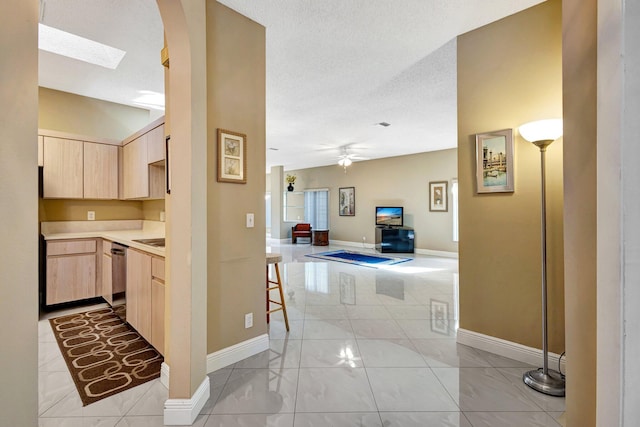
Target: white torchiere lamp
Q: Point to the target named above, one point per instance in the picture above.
(542, 133)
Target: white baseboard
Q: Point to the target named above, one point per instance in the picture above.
(352, 244)
(183, 412)
(431, 252)
(164, 374)
(237, 352)
(512, 350)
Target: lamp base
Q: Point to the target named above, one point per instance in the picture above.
(552, 383)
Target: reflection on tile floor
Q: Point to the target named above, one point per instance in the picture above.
(367, 347)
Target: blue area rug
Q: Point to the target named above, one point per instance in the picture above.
(359, 258)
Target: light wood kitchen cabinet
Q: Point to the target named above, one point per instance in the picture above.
(71, 270)
(155, 145)
(75, 169)
(63, 176)
(106, 284)
(139, 292)
(100, 171)
(157, 303)
(143, 165)
(40, 150)
(145, 296)
(135, 169)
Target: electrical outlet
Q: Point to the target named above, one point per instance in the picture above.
(250, 220)
(364, 239)
(248, 320)
(91, 215)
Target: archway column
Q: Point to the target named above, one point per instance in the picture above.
(185, 31)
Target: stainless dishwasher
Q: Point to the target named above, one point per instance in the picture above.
(119, 280)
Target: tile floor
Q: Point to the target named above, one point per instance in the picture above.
(367, 347)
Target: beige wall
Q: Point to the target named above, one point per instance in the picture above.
(394, 181)
(18, 213)
(580, 172)
(151, 209)
(509, 73)
(66, 112)
(236, 102)
(76, 210)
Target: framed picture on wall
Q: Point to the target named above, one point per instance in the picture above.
(232, 157)
(438, 196)
(494, 162)
(347, 201)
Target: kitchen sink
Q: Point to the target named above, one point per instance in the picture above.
(158, 243)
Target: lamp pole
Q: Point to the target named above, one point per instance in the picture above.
(544, 380)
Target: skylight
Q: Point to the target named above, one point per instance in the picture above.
(72, 46)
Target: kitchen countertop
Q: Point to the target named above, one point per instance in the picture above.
(123, 232)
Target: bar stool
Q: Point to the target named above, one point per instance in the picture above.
(273, 258)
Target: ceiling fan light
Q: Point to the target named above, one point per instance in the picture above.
(344, 162)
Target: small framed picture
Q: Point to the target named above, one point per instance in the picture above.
(494, 162)
(232, 157)
(438, 199)
(347, 201)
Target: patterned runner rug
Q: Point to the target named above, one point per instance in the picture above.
(104, 355)
(359, 258)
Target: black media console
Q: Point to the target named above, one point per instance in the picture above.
(394, 239)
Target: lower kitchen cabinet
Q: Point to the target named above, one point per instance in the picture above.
(71, 270)
(107, 279)
(145, 296)
(157, 315)
(139, 292)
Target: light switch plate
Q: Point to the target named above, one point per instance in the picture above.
(91, 215)
(250, 220)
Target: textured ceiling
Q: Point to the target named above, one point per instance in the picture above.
(335, 68)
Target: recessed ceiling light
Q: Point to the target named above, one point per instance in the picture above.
(72, 46)
(385, 124)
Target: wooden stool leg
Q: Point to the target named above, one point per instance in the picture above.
(284, 307)
(267, 293)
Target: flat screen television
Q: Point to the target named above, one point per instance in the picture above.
(389, 216)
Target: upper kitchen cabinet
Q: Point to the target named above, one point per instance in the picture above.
(155, 145)
(40, 150)
(62, 175)
(134, 169)
(100, 171)
(74, 168)
(143, 166)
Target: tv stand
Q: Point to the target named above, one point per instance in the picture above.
(394, 239)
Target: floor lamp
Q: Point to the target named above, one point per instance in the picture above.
(542, 133)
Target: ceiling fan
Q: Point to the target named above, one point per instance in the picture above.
(346, 158)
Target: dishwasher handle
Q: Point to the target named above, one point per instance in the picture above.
(117, 251)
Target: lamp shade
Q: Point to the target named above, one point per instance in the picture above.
(542, 130)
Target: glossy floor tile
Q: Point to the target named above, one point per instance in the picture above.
(366, 347)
